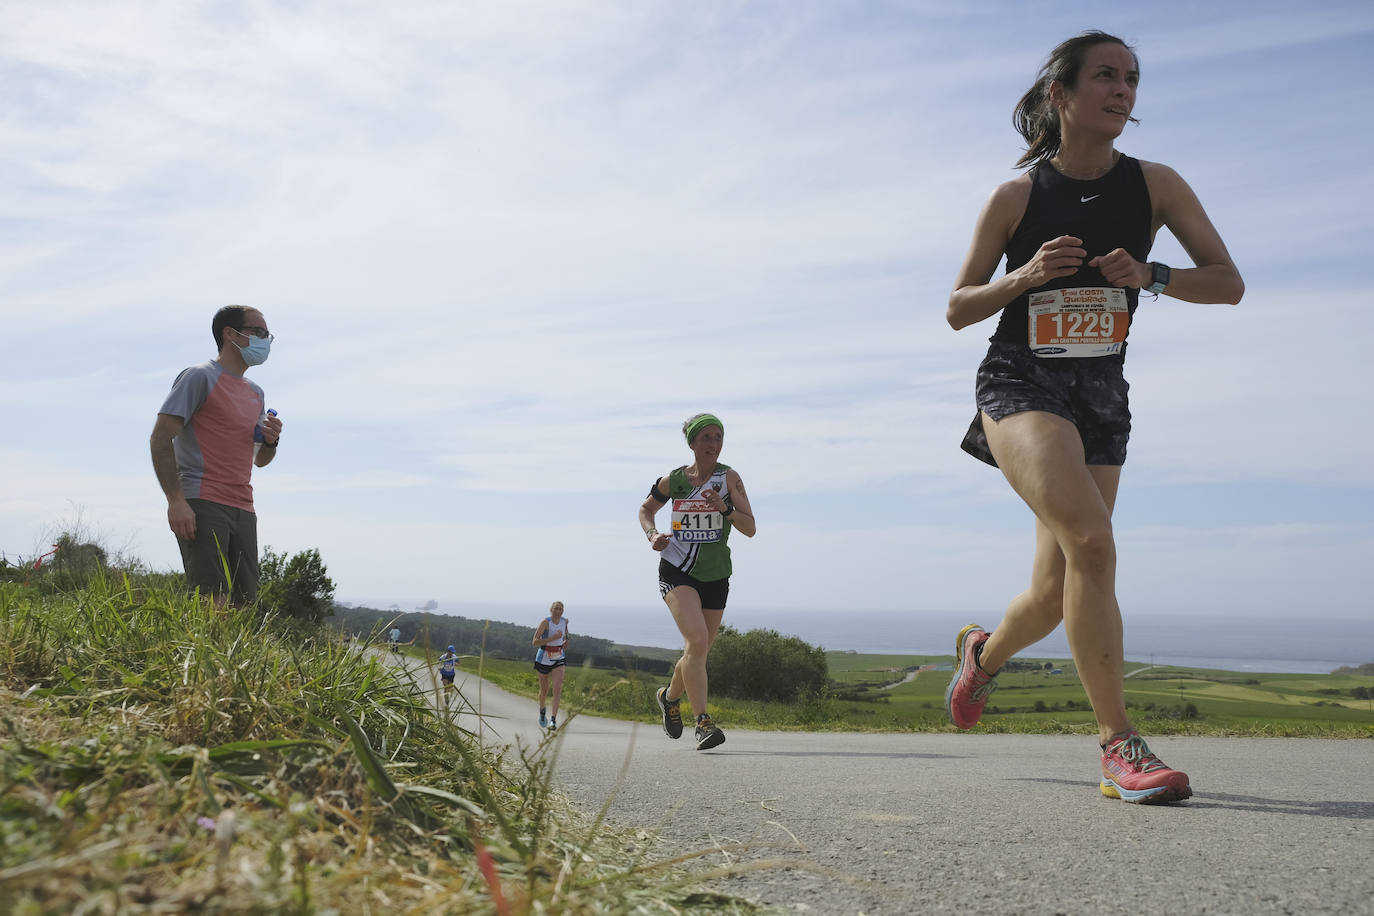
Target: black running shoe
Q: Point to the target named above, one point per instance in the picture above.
(708, 736)
(672, 713)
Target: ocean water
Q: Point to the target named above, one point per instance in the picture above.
(1301, 645)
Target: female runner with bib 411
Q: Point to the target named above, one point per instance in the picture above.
(1076, 230)
(694, 565)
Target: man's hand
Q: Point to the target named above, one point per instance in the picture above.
(181, 518)
(271, 429)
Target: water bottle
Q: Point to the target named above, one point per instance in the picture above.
(257, 431)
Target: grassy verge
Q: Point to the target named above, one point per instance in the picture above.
(871, 693)
(158, 753)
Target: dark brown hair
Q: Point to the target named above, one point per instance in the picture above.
(231, 316)
(1035, 116)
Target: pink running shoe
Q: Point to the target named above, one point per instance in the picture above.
(969, 689)
(1133, 774)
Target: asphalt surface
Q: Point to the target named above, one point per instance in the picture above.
(975, 823)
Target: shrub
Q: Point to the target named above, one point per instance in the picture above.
(73, 562)
(299, 587)
(764, 665)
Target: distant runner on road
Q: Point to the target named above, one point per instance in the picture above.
(694, 571)
(448, 667)
(551, 636)
(1076, 230)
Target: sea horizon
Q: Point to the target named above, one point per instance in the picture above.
(1217, 641)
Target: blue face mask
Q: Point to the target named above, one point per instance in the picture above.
(255, 354)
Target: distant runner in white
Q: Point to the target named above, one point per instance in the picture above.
(1076, 230)
(551, 636)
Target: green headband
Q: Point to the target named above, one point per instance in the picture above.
(701, 423)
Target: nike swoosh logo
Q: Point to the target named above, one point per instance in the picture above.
(1084, 200)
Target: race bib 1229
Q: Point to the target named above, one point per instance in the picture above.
(1081, 321)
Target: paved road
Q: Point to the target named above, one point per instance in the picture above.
(976, 823)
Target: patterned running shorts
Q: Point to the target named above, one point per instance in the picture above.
(1089, 393)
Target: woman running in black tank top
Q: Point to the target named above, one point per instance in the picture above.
(1052, 409)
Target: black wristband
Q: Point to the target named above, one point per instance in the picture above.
(1159, 277)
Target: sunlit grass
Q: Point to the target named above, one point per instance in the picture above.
(159, 752)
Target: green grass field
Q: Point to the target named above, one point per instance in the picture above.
(1161, 700)
(162, 754)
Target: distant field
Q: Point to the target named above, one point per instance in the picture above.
(1162, 700)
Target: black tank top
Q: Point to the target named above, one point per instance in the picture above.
(1107, 213)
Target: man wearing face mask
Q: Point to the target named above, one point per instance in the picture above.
(209, 433)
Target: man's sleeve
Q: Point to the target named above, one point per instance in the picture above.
(188, 393)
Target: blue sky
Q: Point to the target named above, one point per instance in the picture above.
(506, 248)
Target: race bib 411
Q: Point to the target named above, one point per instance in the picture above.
(695, 521)
(1082, 321)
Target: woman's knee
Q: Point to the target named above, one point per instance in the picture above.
(696, 645)
(1091, 547)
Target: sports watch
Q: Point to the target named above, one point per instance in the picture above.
(1159, 277)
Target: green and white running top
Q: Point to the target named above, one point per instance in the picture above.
(699, 546)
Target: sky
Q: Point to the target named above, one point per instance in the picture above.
(507, 248)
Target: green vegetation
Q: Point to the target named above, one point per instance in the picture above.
(871, 693)
(1365, 670)
(297, 587)
(764, 665)
(161, 753)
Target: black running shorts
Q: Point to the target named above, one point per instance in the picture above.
(713, 594)
(1089, 393)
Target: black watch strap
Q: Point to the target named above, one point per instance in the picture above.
(1159, 277)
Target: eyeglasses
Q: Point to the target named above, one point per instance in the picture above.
(250, 330)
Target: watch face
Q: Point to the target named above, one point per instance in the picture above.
(1159, 275)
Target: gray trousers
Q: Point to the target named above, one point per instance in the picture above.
(222, 559)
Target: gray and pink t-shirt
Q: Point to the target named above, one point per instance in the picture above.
(214, 449)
